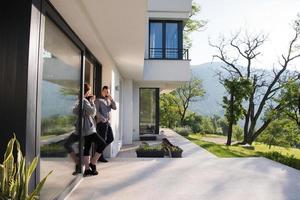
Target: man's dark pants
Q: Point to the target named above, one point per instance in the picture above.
(105, 131)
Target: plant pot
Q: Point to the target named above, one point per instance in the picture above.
(150, 154)
(177, 154)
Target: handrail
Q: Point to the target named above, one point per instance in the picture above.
(169, 53)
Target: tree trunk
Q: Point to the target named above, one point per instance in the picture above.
(231, 119)
(229, 134)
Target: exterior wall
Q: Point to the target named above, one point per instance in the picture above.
(167, 70)
(129, 106)
(112, 78)
(136, 103)
(169, 9)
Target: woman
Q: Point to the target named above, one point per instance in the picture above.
(89, 132)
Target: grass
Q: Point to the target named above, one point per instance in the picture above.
(224, 151)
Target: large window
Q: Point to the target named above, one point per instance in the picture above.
(165, 40)
(60, 90)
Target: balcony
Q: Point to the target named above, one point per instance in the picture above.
(167, 70)
(168, 54)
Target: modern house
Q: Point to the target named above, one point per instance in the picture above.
(50, 48)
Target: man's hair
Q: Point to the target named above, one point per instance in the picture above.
(105, 87)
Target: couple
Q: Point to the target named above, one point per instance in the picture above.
(94, 131)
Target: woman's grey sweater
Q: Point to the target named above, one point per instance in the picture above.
(89, 112)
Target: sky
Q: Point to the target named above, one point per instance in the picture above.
(226, 17)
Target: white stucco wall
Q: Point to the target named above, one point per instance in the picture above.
(127, 111)
(167, 70)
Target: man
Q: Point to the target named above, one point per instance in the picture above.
(104, 104)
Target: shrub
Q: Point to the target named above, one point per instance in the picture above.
(238, 133)
(146, 150)
(183, 131)
(289, 160)
(15, 175)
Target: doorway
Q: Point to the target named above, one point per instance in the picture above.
(149, 111)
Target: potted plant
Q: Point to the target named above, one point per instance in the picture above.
(171, 150)
(145, 150)
(15, 175)
(176, 152)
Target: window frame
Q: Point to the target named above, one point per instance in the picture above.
(179, 42)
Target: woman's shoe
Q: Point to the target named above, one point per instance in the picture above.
(89, 172)
(94, 169)
(77, 170)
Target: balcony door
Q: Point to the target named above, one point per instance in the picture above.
(149, 111)
(165, 40)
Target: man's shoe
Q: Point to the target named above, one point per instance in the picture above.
(102, 159)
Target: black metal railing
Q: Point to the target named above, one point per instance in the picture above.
(169, 53)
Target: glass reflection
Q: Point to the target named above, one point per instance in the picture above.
(148, 105)
(60, 89)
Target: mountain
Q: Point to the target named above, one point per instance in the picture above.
(211, 103)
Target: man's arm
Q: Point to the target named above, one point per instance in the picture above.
(100, 117)
(113, 104)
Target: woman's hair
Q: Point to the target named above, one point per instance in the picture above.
(87, 88)
(105, 87)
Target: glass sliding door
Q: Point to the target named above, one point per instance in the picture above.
(60, 91)
(149, 111)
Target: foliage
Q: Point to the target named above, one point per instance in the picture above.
(215, 122)
(289, 157)
(193, 120)
(169, 116)
(238, 133)
(192, 25)
(57, 125)
(223, 124)
(179, 101)
(207, 125)
(290, 101)
(147, 148)
(184, 131)
(15, 175)
(69, 91)
(239, 89)
(281, 132)
(289, 160)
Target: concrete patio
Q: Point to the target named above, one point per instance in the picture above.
(198, 175)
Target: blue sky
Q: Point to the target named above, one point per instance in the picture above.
(225, 17)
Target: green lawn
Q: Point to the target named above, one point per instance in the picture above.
(224, 151)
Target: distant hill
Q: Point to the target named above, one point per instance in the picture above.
(211, 103)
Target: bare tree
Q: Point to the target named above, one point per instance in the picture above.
(247, 48)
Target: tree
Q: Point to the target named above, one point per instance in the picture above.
(290, 101)
(238, 90)
(214, 120)
(247, 49)
(192, 25)
(281, 132)
(223, 123)
(169, 116)
(193, 120)
(207, 125)
(237, 133)
(185, 94)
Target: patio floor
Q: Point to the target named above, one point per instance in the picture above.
(198, 175)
